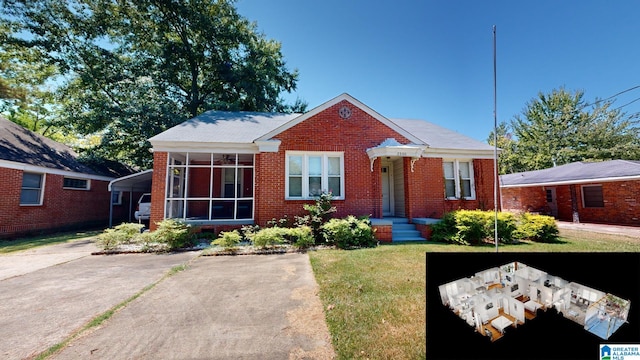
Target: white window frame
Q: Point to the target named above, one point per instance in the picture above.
(305, 173)
(119, 200)
(584, 204)
(42, 186)
(456, 175)
(86, 188)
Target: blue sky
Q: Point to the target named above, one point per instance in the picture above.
(433, 60)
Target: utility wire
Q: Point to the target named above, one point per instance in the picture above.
(614, 95)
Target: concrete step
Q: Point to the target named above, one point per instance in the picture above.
(402, 231)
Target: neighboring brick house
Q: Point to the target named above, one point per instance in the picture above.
(232, 168)
(593, 192)
(46, 188)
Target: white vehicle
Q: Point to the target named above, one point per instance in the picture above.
(144, 207)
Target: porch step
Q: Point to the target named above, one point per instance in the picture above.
(402, 231)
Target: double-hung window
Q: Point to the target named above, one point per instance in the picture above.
(310, 174)
(458, 179)
(592, 196)
(32, 189)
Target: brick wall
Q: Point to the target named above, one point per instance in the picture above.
(158, 187)
(621, 202)
(483, 175)
(326, 131)
(61, 208)
(531, 199)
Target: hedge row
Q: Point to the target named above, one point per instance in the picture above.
(473, 227)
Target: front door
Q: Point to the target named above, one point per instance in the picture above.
(387, 208)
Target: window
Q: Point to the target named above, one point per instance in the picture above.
(210, 186)
(32, 189)
(310, 174)
(76, 184)
(116, 197)
(592, 196)
(458, 180)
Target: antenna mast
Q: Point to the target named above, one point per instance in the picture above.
(495, 143)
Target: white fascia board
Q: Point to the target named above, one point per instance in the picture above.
(120, 179)
(459, 153)
(576, 182)
(330, 103)
(46, 170)
(186, 146)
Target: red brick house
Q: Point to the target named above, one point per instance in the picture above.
(233, 168)
(46, 188)
(593, 192)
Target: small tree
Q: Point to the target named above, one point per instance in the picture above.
(319, 213)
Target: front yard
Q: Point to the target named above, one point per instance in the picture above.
(375, 299)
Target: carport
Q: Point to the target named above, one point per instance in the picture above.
(138, 182)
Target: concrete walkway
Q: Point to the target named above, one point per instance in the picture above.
(631, 231)
(27, 261)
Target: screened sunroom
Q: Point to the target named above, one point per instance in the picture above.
(210, 187)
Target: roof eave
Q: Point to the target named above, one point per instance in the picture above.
(576, 182)
(459, 153)
(197, 146)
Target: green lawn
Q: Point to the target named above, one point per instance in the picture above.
(7, 246)
(375, 299)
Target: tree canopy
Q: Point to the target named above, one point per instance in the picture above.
(133, 68)
(560, 127)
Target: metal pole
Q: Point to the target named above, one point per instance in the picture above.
(495, 142)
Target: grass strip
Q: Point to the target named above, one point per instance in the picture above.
(98, 320)
(9, 246)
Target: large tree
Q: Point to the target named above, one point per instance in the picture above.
(26, 90)
(134, 68)
(560, 127)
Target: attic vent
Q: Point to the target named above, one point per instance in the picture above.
(344, 112)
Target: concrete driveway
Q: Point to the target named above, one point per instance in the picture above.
(225, 307)
(240, 307)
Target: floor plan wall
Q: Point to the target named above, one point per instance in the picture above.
(495, 300)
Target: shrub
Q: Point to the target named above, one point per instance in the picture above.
(175, 234)
(319, 214)
(125, 233)
(301, 237)
(472, 227)
(268, 237)
(540, 228)
(350, 232)
(507, 225)
(229, 240)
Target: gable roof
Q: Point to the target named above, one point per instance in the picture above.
(248, 130)
(19, 145)
(224, 127)
(343, 97)
(575, 173)
(438, 137)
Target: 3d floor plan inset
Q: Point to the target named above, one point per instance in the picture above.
(493, 300)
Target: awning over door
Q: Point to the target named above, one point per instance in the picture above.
(392, 147)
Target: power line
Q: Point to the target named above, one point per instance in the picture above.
(629, 103)
(614, 95)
